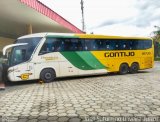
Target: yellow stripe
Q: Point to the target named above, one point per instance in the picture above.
(100, 57)
(113, 63)
(92, 36)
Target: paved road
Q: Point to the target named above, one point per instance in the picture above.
(72, 99)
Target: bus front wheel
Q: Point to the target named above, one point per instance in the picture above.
(123, 69)
(47, 75)
(134, 68)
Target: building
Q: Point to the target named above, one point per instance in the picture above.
(21, 17)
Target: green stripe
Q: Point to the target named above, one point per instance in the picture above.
(91, 60)
(76, 60)
(83, 60)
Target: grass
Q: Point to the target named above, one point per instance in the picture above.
(157, 59)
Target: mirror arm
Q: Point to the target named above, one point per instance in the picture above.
(12, 45)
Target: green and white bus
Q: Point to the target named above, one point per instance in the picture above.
(47, 56)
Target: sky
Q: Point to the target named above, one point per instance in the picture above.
(111, 17)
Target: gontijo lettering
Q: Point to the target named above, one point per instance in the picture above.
(119, 54)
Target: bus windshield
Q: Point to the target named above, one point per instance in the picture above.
(20, 54)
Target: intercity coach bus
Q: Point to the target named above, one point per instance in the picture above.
(47, 56)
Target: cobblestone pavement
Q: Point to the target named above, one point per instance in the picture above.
(73, 98)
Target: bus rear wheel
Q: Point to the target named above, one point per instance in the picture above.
(47, 75)
(123, 69)
(134, 68)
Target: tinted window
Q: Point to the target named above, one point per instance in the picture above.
(100, 44)
(147, 44)
(103, 44)
(112, 45)
(73, 45)
(140, 44)
(50, 45)
(129, 44)
(124, 45)
(91, 44)
(62, 44)
(23, 53)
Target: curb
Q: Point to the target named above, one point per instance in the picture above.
(2, 86)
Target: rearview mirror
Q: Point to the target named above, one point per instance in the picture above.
(4, 59)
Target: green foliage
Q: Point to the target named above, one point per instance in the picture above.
(157, 59)
(156, 34)
(156, 39)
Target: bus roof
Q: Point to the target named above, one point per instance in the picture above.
(71, 35)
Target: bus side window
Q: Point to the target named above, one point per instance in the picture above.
(90, 44)
(121, 44)
(56, 45)
(107, 44)
(134, 44)
(80, 45)
(66, 44)
(98, 43)
(94, 45)
(87, 45)
(137, 45)
(124, 45)
(50, 45)
(101, 44)
(45, 47)
(147, 44)
(140, 45)
(130, 44)
(117, 45)
(61, 45)
(71, 44)
(110, 44)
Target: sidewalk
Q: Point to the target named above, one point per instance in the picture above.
(2, 86)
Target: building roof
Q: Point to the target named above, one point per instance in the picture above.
(17, 14)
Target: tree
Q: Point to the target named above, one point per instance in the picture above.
(157, 34)
(156, 39)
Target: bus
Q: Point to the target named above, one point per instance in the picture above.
(47, 56)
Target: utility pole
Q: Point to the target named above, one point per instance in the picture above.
(82, 9)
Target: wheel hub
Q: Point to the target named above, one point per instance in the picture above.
(48, 75)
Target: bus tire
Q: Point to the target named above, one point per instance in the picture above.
(134, 68)
(123, 69)
(47, 75)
